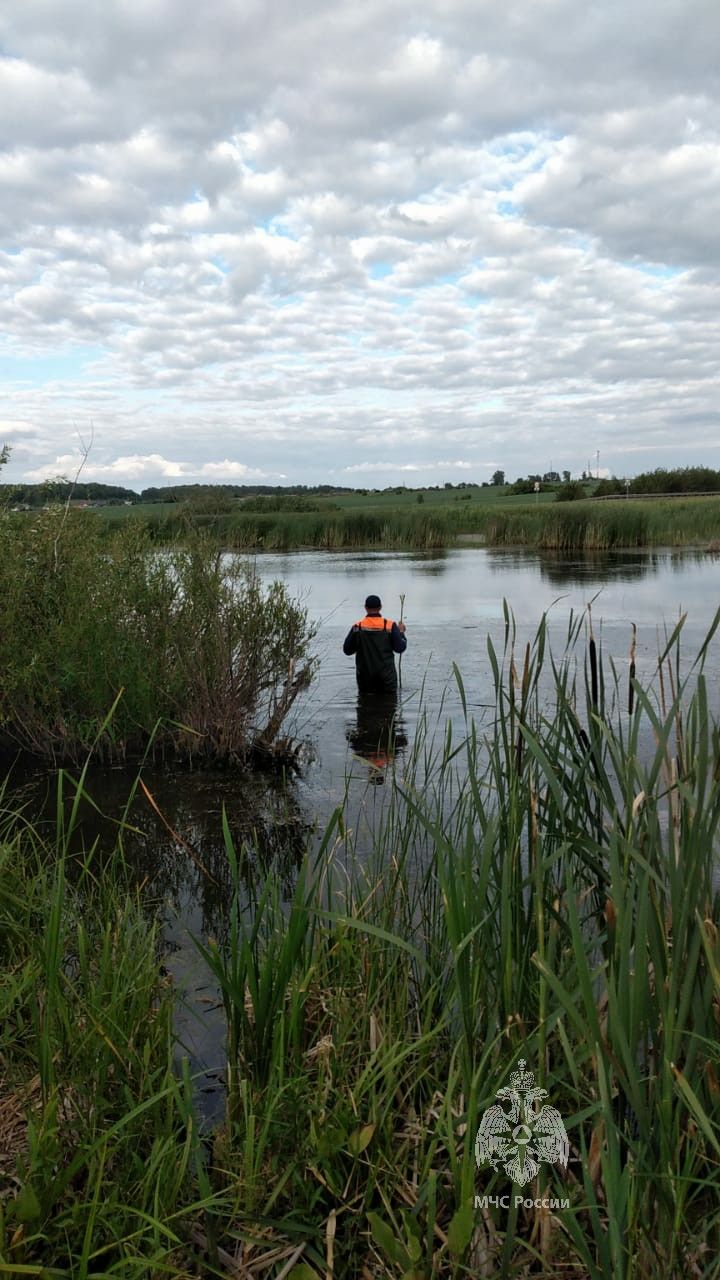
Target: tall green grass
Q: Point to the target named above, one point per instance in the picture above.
(101, 1163)
(572, 527)
(283, 531)
(544, 889)
(607, 525)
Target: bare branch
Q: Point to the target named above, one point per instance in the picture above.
(85, 452)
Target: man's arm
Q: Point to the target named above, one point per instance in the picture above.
(350, 641)
(398, 639)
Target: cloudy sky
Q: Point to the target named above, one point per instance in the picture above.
(361, 243)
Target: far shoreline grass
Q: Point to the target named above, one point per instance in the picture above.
(417, 519)
(583, 525)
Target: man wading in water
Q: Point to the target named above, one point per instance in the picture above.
(374, 640)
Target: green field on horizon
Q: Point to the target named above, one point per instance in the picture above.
(360, 500)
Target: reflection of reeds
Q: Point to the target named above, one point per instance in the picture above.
(542, 886)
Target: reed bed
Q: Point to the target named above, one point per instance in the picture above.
(284, 531)
(606, 526)
(577, 526)
(547, 891)
(542, 888)
(100, 1156)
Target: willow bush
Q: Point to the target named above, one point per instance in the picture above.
(184, 646)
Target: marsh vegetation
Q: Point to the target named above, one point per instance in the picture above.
(108, 643)
(543, 887)
(437, 522)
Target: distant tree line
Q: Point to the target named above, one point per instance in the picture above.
(38, 495)
(661, 480)
(220, 497)
(187, 492)
(679, 480)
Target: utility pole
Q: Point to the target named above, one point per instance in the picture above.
(597, 463)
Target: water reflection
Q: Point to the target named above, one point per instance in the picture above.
(172, 828)
(593, 568)
(433, 564)
(596, 568)
(379, 733)
(579, 568)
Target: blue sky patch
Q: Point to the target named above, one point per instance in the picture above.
(49, 368)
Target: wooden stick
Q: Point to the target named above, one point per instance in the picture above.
(402, 610)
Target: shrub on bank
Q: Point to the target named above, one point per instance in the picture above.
(185, 644)
(571, 491)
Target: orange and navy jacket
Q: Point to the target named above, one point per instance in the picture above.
(374, 640)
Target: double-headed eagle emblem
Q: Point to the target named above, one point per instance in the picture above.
(522, 1137)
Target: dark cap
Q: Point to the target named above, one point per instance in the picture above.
(373, 602)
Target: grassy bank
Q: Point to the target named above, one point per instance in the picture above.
(98, 1151)
(419, 519)
(279, 531)
(603, 526)
(195, 658)
(435, 523)
(541, 890)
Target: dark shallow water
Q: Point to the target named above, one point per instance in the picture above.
(453, 604)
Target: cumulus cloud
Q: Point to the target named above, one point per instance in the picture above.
(489, 226)
(227, 471)
(138, 467)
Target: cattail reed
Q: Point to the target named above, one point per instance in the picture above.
(593, 663)
(631, 677)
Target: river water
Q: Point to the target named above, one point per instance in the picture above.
(453, 602)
